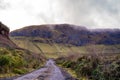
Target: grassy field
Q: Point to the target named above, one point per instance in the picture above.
(53, 50)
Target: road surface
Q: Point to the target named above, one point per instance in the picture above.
(49, 72)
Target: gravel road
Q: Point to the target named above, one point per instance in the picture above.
(49, 72)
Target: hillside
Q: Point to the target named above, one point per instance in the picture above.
(13, 59)
(69, 34)
(54, 41)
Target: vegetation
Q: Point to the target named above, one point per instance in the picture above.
(54, 50)
(89, 67)
(89, 62)
(16, 62)
(89, 54)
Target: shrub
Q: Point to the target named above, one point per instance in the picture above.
(19, 71)
(5, 63)
(94, 68)
(18, 61)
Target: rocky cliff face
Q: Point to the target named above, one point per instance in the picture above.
(4, 31)
(4, 37)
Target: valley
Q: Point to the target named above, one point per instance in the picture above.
(59, 51)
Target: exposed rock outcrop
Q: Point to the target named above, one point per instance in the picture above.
(4, 37)
(4, 31)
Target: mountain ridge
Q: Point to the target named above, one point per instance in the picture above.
(70, 34)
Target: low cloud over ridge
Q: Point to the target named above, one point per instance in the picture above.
(90, 13)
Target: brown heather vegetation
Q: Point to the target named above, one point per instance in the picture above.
(92, 67)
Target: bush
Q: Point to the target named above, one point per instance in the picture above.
(5, 60)
(94, 68)
(19, 71)
(18, 61)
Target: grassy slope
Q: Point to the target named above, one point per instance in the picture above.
(54, 50)
(49, 50)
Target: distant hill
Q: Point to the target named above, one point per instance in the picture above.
(69, 34)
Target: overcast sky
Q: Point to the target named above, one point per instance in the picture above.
(90, 13)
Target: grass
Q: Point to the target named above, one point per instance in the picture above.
(7, 75)
(53, 50)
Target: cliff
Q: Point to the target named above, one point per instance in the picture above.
(4, 37)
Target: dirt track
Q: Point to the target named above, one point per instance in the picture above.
(49, 72)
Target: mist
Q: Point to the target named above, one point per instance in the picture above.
(90, 13)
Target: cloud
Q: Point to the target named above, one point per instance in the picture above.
(93, 13)
(3, 4)
(90, 13)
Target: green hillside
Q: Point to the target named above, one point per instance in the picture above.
(53, 50)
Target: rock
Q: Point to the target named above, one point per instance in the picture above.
(4, 30)
(4, 37)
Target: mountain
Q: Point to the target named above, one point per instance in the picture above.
(4, 37)
(69, 34)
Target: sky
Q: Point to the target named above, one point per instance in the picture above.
(90, 13)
